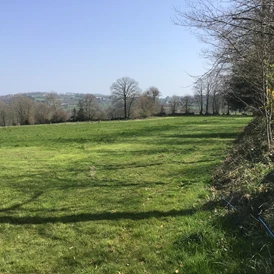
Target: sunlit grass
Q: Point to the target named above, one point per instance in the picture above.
(113, 197)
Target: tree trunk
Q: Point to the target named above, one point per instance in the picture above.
(207, 100)
(201, 104)
(125, 106)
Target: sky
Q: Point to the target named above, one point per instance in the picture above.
(83, 46)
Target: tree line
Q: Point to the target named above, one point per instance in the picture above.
(240, 36)
(127, 102)
(22, 110)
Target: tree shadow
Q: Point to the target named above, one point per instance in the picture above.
(88, 217)
(19, 205)
(36, 184)
(126, 166)
(203, 135)
(246, 243)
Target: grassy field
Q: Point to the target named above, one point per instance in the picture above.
(115, 197)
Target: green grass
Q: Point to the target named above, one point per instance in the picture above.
(115, 197)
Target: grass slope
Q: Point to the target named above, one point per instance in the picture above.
(115, 197)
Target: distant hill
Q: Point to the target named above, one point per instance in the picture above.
(67, 100)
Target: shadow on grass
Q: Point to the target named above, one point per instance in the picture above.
(127, 166)
(18, 205)
(113, 135)
(124, 134)
(247, 244)
(35, 184)
(87, 217)
(145, 165)
(203, 135)
(118, 184)
(259, 204)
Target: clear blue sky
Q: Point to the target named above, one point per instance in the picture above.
(85, 45)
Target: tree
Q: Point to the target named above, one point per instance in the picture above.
(52, 99)
(73, 116)
(145, 106)
(153, 93)
(125, 90)
(4, 114)
(174, 103)
(210, 80)
(241, 37)
(199, 94)
(87, 108)
(148, 103)
(23, 110)
(186, 102)
(59, 115)
(80, 113)
(43, 113)
(115, 110)
(90, 106)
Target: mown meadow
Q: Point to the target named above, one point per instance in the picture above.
(116, 197)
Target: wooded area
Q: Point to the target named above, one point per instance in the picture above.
(240, 35)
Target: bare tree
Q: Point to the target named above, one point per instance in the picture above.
(88, 109)
(148, 102)
(90, 106)
(207, 95)
(241, 38)
(186, 102)
(125, 90)
(52, 99)
(153, 93)
(199, 94)
(174, 103)
(59, 115)
(115, 110)
(144, 106)
(4, 113)
(23, 109)
(43, 113)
